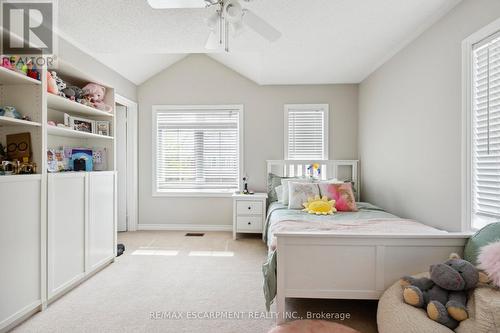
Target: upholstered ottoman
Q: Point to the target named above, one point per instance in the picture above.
(395, 316)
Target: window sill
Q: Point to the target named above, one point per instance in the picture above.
(175, 193)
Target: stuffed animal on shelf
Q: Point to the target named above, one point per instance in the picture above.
(60, 84)
(444, 295)
(74, 93)
(6, 63)
(33, 71)
(51, 84)
(10, 111)
(94, 93)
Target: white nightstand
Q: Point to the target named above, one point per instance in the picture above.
(249, 213)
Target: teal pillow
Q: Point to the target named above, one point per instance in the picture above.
(273, 181)
(485, 236)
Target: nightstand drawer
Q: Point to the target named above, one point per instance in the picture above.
(244, 207)
(249, 223)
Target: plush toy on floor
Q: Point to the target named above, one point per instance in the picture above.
(444, 295)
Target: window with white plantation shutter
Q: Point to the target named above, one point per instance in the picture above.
(306, 131)
(197, 148)
(485, 145)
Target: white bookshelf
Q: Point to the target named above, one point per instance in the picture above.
(8, 121)
(69, 133)
(10, 77)
(37, 206)
(63, 104)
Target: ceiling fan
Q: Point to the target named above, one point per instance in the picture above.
(229, 15)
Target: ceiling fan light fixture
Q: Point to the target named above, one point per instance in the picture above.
(233, 11)
(237, 28)
(213, 20)
(213, 41)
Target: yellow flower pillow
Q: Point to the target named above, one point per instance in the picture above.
(319, 206)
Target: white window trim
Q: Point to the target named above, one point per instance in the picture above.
(467, 46)
(326, 110)
(195, 192)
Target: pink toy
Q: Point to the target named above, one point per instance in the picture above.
(52, 85)
(312, 326)
(6, 63)
(489, 261)
(94, 93)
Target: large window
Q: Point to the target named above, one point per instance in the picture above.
(306, 131)
(483, 123)
(196, 149)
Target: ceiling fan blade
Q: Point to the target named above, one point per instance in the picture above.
(260, 26)
(174, 4)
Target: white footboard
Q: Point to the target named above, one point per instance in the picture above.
(347, 266)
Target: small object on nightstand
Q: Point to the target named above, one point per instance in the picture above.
(249, 213)
(245, 186)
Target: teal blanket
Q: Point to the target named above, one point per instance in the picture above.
(278, 212)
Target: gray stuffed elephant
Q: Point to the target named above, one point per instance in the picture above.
(444, 295)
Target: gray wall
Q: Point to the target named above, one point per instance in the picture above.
(89, 65)
(199, 79)
(410, 122)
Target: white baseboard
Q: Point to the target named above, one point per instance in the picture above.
(186, 227)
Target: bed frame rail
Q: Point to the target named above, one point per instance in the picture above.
(354, 266)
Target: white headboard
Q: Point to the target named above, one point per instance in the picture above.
(345, 170)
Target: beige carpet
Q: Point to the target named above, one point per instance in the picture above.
(167, 282)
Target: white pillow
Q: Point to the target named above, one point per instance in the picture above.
(300, 192)
(285, 182)
(279, 193)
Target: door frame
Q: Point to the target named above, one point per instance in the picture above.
(132, 165)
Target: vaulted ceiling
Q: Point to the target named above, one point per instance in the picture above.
(323, 41)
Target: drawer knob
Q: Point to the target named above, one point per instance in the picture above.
(249, 223)
(249, 207)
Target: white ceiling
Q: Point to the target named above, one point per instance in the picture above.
(324, 41)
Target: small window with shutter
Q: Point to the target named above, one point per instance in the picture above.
(306, 131)
(485, 132)
(197, 148)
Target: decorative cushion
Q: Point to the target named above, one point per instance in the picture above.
(489, 261)
(485, 236)
(299, 192)
(319, 206)
(272, 182)
(285, 181)
(279, 193)
(342, 194)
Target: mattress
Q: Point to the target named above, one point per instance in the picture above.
(368, 219)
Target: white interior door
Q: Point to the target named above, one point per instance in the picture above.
(121, 165)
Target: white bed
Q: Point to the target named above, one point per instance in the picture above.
(349, 265)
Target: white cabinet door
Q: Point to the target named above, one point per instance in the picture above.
(66, 230)
(101, 227)
(19, 246)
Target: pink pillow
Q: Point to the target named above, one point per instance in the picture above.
(342, 194)
(489, 261)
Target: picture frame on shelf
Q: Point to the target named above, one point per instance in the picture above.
(102, 127)
(82, 124)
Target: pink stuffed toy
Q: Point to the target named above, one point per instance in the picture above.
(94, 93)
(312, 326)
(489, 261)
(52, 84)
